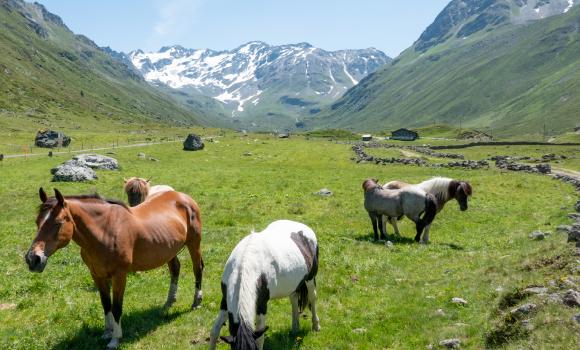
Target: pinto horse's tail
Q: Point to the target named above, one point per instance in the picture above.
(428, 216)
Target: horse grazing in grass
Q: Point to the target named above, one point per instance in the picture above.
(139, 189)
(278, 262)
(410, 202)
(116, 240)
(444, 189)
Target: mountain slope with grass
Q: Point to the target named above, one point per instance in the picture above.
(52, 78)
(505, 66)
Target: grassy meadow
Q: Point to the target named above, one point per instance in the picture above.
(370, 296)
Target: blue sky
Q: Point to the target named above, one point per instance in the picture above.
(125, 25)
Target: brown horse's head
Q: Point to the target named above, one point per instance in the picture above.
(461, 190)
(55, 230)
(370, 184)
(137, 190)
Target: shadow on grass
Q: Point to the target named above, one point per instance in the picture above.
(284, 339)
(452, 246)
(136, 325)
(390, 237)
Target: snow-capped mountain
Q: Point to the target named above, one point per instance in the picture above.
(290, 80)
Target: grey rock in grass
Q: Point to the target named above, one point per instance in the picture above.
(389, 244)
(51, 139)
(325, 192)
(450, 343)
(577, 206)
(95, 161)
(153, 159)
(72, 173)
(574, 235)
(554, 298)
(537, 235)
(359, 330)
(193, 143)
(563, 228)
(459, 301)
(440, 312)
(574, 216)
(527, 324)
(576, 318)
(544, 168)
(571, 298)
(536, 290)
(522, 310)
(247, 154)
(141, 155)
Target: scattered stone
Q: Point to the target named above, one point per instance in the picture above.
(554, 298)
(283, 135)
(537, 235)
(459, 301)
(571, 298)
(544, 168)
(429, 347)
(499, 289)
(574, 216)
(141, 155)
(72, 173)
(359, 330)
(576, 318)
(440, 312)
(527, 324)
(193, 143)
(536, 290)
(7, 306)
(247, 154)
(389, 244)
(577, 206)
(325, 192)
(153, 159)
(564, 228)
(451, 343)
(525, 309)
(51, 139)
(95, 161)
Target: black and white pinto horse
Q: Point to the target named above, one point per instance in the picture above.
(411, 202)
(444, 189)
(281, 261)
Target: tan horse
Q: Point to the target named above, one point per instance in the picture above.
(116, 240)
(139, 189)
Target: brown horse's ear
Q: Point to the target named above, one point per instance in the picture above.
(228, 339)
(42, 195)
(59, 197)
(259, 332)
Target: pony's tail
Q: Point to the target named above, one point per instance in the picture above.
(429, 215)
(302, 289)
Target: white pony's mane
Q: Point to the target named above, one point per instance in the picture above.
(249, 274)
(437, 186)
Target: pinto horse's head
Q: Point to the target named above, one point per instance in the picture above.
(245, 338)
(463, 191)
(55, 230)
(370, 184)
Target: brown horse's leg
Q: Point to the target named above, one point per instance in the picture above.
(381, 227)
(104, 288)
(119, 281)
(174, 267)
(194, 247)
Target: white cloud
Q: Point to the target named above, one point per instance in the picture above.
(175, 19)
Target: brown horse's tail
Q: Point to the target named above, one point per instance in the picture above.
(428, 216)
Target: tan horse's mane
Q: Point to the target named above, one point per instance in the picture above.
(137, 184)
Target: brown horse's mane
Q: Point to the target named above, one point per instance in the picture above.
(368, 184)
(51, 202)
(136, 184)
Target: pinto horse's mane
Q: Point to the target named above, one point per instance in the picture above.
(440, 187)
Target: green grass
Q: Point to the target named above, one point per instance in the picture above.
(398, 290)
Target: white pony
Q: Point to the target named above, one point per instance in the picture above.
(138, 190)
(281, 261)
(443, 188)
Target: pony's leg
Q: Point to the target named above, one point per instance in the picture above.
(295, 312)
(394, 223)
(104, 288)
(374, 222)
(194, 247)
(381, 227)
(311, 285)
(174, 267)
(261, 325)
(425, 238)
(385, 219)
(419, 227)
(119, 282)
(217, 326)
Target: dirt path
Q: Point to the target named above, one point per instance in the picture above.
(567, 172)
(145, 144)
(410, 154)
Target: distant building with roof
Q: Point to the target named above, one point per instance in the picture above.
(404, 135)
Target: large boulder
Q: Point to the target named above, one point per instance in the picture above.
(70, 172)
(96, 161)
(51, 139)
(193, 143)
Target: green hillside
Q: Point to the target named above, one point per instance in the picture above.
(50, 77)
(512, 79)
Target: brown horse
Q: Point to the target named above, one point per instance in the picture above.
(139, 189)
(115, 240)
